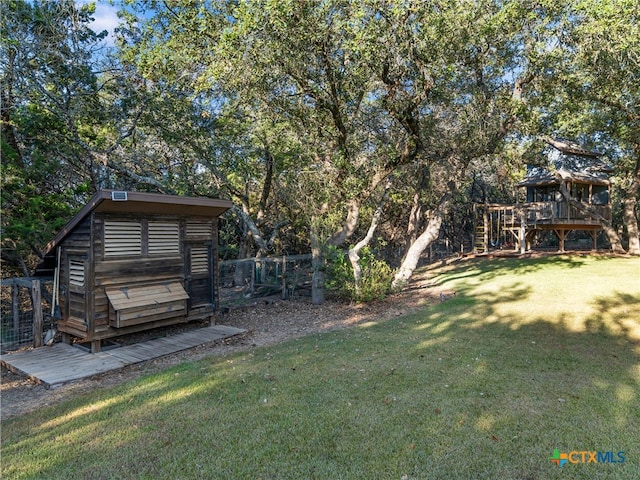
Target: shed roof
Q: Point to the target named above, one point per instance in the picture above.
(144, 203)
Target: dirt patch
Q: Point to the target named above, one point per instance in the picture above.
(267, 321)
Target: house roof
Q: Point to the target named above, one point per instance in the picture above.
(570, 147)
(570, 164)
(145, 203)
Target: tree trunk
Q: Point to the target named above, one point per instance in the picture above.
(317, 263)
(350, 224)
(629, 213)
(266, 186)
(263, 245)
(354, 256)
(251, 226)
(430, 233)
(614, 238)
(414, 219)
(318, 259)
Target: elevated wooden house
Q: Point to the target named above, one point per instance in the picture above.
(571, 192)
(132, 261)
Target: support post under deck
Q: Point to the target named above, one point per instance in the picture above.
(523, 234)
(485, 237)
(562, 234)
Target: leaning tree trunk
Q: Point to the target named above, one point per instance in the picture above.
(416, 209)
(612, 235)
(354, 252)
(614, 238)
(425, 239)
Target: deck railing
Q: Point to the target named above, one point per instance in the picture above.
(553, 212)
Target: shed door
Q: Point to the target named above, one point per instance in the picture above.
(199, 274)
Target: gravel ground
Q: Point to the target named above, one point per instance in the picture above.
(267, 321)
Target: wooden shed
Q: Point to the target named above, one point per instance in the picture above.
(131, 261)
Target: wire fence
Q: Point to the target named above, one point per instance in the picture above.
(249, 278)
(28, 319)
(25, 313)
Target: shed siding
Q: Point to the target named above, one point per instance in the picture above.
(80, 238)
(161, 259)
(74, 295)
(139, 246)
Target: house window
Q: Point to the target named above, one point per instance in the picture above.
(164, 238)
(600, 195)
(122, 238)
(580, 192)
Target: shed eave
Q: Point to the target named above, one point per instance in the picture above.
(139, 202)
(154, 203)
(68, 228)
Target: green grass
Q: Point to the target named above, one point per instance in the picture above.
(531, 355)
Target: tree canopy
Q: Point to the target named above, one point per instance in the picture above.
(327, 123)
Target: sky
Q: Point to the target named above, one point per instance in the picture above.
(106, 18)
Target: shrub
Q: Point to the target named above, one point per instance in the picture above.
(376, 276)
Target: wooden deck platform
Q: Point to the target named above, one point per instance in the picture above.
(61, 363)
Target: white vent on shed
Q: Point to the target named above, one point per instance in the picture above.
(199, 260)
(122, 238)
(119, 196)
(199, 229)
(164, 238)
(76, 273)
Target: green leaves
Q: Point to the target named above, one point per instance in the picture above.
(302, 109)
(53, 122)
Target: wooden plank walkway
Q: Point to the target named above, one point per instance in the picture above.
(61, 363)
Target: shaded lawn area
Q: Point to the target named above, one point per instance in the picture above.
(531, 355)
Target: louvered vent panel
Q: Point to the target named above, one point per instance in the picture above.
(199, 260)
(76, 273)
(164, 238)
(122, 238)
(199, 229)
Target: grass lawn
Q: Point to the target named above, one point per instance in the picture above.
(530, 356)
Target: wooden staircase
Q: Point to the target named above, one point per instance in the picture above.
(478, 240)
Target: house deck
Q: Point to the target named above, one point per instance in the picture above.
(61, 363)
